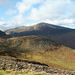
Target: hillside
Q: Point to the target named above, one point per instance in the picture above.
(59, 34)
(27, 44)
(34, 48)
(3, 35)
(24, 67)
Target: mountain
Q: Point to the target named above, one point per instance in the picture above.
(36, 49)
(62, 35)
(3, 35)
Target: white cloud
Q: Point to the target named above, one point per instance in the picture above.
(58, 12)
(11, 12)
(21, 7)
(24, 5)
(28, 25)
(18, 19)
(1, 23)
(2, 26)
(61, 22)
(51, 9)
(7, 25)
(1, 18)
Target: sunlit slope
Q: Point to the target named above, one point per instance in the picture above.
(38, 49)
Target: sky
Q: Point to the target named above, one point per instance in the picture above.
(14, 13)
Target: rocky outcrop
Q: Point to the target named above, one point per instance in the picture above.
(17, 65)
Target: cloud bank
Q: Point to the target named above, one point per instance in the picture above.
(58, 12)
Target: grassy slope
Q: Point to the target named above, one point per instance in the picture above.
(64, 59)
(40, 50)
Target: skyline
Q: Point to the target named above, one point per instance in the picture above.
(28, 12)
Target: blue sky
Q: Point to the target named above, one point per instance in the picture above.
(14, 13)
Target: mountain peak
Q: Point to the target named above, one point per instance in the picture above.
(43, 24)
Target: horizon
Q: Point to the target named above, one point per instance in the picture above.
(18, 13)
(34, 25)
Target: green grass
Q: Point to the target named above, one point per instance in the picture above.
(70, 66)
(59, 59)
(23, 72)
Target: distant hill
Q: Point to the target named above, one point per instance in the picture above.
(3, 35)
(62, 35)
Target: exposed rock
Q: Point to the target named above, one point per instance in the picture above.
(17, 65)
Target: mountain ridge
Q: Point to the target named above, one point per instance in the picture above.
(36, 26)
(58, 34)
